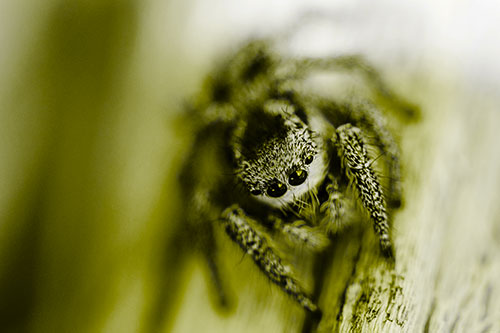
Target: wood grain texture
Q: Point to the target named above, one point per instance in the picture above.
(447, 268)
(447, 236)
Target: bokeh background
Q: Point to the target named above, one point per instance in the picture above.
(92, 139)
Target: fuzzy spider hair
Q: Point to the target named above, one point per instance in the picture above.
(271, 159)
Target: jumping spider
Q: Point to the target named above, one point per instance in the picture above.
(270, 158)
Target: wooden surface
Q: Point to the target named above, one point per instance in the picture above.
(447, 235)
(447, 273)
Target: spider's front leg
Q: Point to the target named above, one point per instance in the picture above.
(369, 117)
(357, 165)
(298, 233)
(334, 208)
(239, 228)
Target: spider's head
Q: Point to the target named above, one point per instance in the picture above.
(277, 155)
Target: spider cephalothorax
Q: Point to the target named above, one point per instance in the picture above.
(287, 159)
(277, 155)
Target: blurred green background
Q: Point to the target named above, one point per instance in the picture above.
(86, 144)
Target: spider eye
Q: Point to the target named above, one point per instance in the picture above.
(309, 159)
(297, 177)
(256, 192)
(276, 190)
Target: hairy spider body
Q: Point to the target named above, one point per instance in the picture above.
(272, 159)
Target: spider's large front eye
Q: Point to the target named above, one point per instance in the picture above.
(297, 177)
(276, 190)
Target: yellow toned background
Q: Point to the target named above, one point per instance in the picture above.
(91, 142)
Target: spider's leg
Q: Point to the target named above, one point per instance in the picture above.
(357, 63)
(199, 180)
(366, 116)
(334, 208)
(200, 220)
(301, 234)
(357, 165)
(239, 228)
(369, 117)
(215, 113)
(210, 255)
